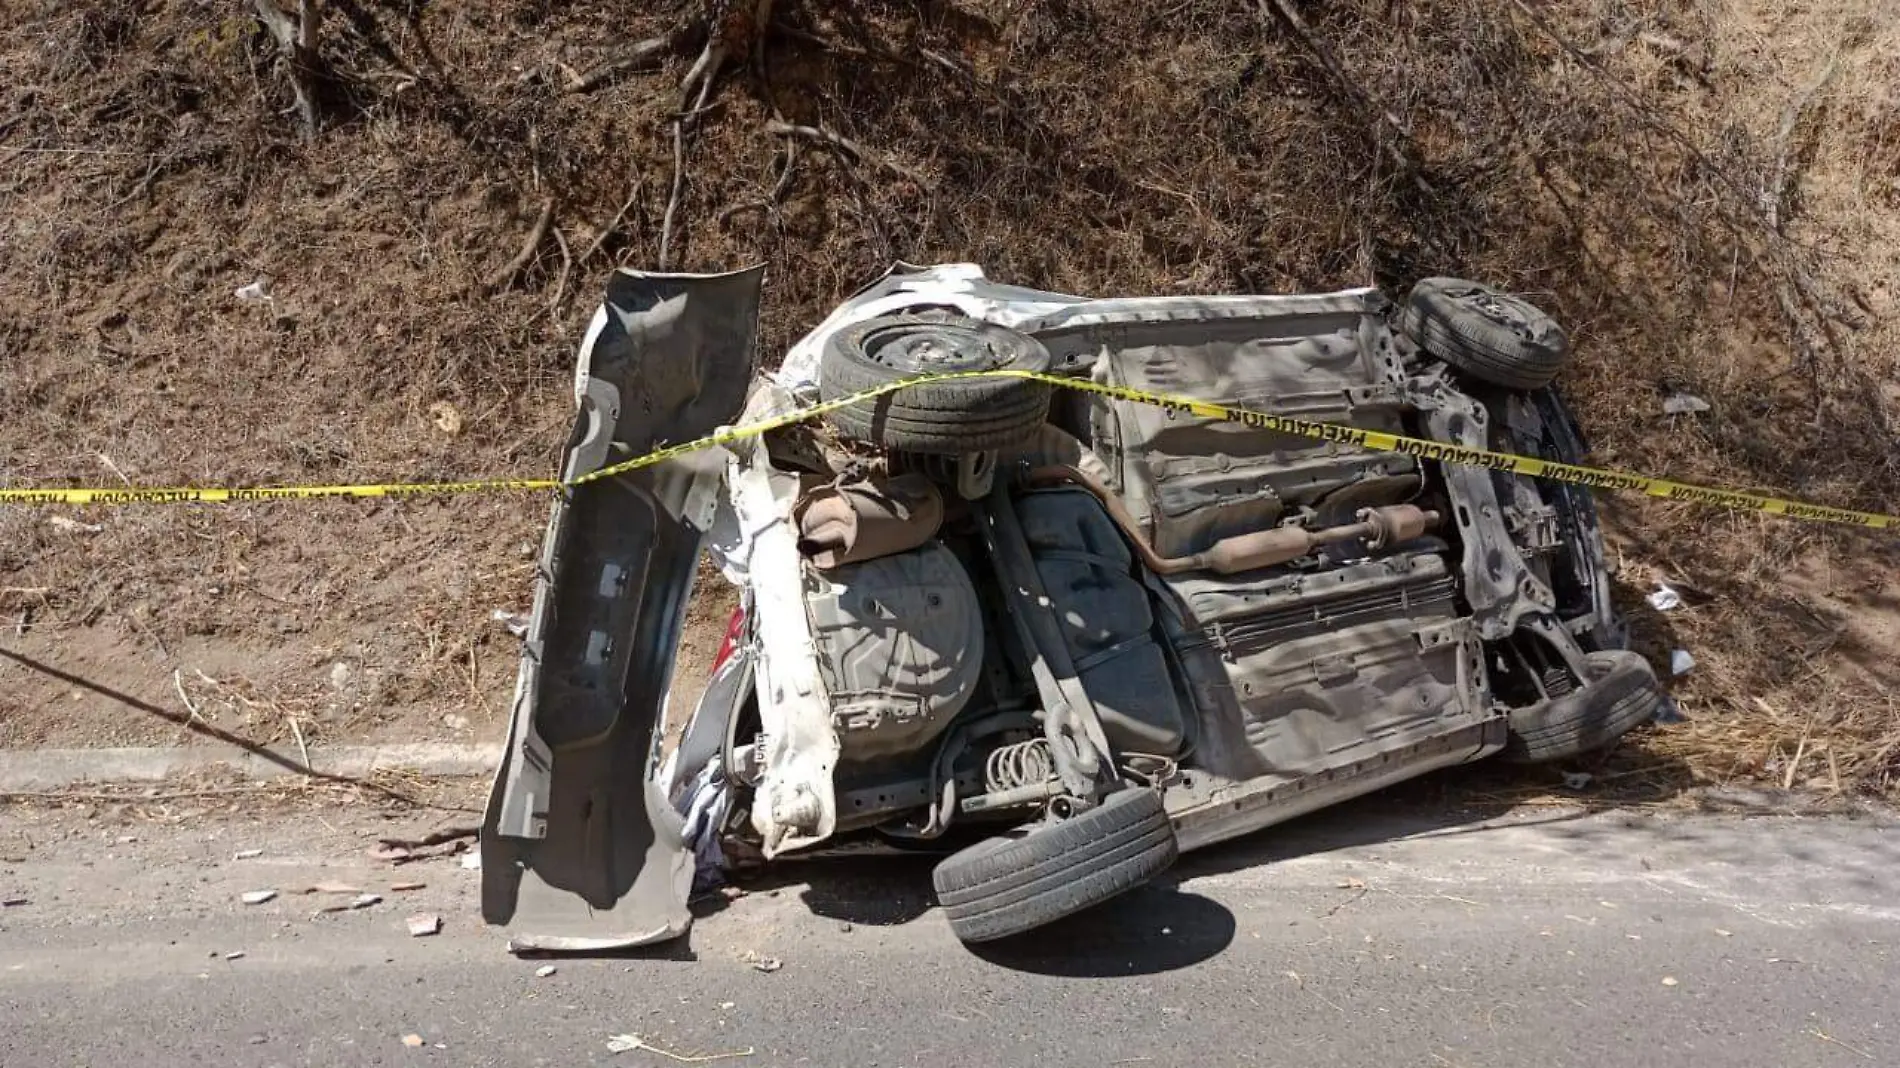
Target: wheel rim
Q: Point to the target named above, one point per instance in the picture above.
(1505, 310)
(934, 349)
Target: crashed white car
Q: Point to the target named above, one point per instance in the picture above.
(1056, 635)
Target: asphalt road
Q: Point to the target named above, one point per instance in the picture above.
(1358, 939)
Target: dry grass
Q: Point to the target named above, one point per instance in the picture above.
(1609, 157)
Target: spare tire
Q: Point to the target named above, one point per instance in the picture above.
(1486, 333)
(951, 417)
(1006, 886)
(1620, 695)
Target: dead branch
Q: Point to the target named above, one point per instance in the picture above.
(296, 36)
(643, 56)
(841, 143)
(434, 838)
(608, 231)
(560, 284)
(1397, 145)
(729, 34)
(1781, 181)
(500, 279)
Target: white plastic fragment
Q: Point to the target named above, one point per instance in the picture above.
(472, 861)
(1681, 662)
(516, 622)
(247, 854)
(1664, 599)
(544, 971)
(257, 897)
(1684, 404)
(258, 290)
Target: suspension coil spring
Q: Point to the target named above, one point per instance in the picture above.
(1027, 763)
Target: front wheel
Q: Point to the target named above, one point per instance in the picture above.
(1486, 333)
(1006, 886)
(1620, 695)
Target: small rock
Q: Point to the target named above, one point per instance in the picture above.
(1669, 980)
(544, 971)
(767, 965)
(237, 954)
(258, 290)
(363, 901)
(412, 1041)
(340, 675)
(400, 887)
(423, 925)
(1577, 780)
(258, 897)
(1684, 404)
(1664, 599)
(455, 722)
(516, 622)
(247, 854)
(72, 526)
(446, 418)
(128, 839)
(845, 927)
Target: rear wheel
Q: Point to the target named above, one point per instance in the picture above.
(1486, 333)
(954, 416)
(1006, 886)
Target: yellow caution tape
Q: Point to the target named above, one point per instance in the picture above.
(1377, 440)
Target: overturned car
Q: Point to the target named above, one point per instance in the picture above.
(1056, 635)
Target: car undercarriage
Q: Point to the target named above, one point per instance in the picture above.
(1058, 635)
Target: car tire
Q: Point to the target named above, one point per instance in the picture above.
(1621, 694)
(1006, 886)
(948, 418)
(1486, 333)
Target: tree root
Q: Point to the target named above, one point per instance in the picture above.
(844, 145)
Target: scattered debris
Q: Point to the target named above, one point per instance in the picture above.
(1684, 404)
(340, 675)
(631, 1043)
(1664, 599)
(763, 964)
(236, 954)
(455, 721)
(424, 924)
(333, 888)
(128, 839)
(393, 855)
(258, 897)
(247, 854)
(258, 290)
(1669, 980)
(12, 902)
(516, 622)
(472, 861)
(544, 971)
(1577, 780)
(401, 887)
(846, 928)
(1724, 934)
(1354, 883)
(1681, 662)
(412, 1041)
(360, 901)
(72, 526)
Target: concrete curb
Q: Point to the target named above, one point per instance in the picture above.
(24, 770)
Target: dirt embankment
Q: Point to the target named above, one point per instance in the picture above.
(1707, 192)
